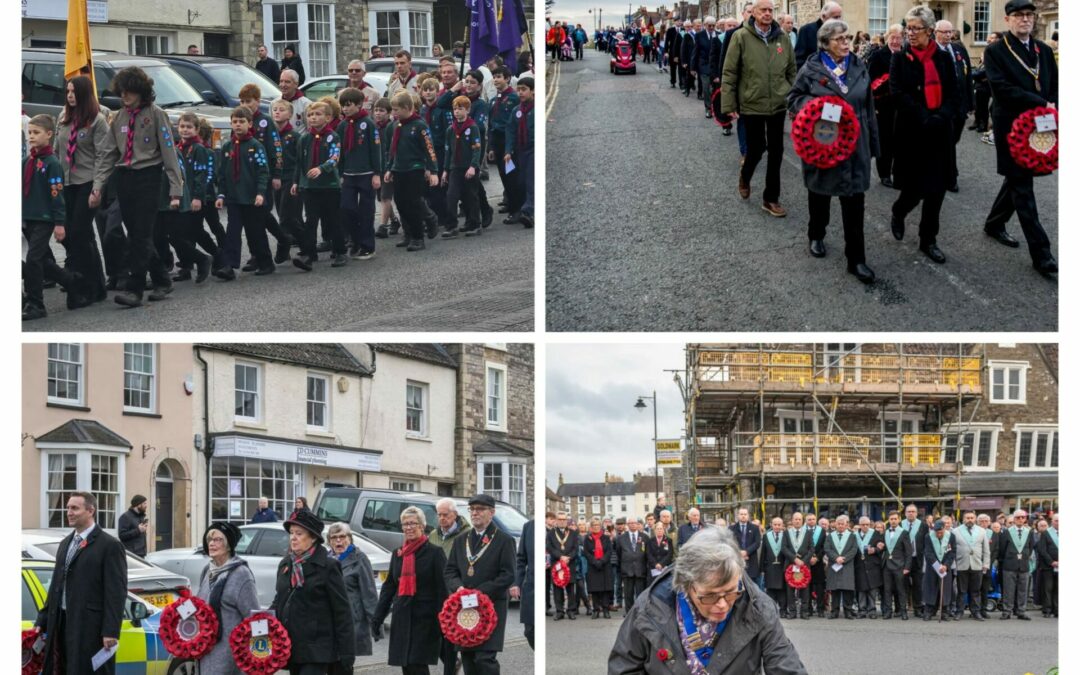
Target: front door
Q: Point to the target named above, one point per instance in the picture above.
(163, 516)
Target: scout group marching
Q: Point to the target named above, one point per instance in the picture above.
(904, 102)
(419, 149)
(325, 611)
(812, 566)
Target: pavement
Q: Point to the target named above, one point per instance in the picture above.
(646, 231)
(841, 647)
(466, 284)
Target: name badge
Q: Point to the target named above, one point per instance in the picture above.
(185, 609)
(1044, 123)
(469, 601)
(124, 129)
(260, 628)
(831, 112)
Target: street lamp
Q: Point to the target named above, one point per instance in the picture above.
(640, 405)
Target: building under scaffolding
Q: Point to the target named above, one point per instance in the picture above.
(829, 428)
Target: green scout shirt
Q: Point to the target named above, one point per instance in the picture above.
(415, 151)
(365, 155)
(462, 148)
(195, 165)
(45, 203)
(386, 132)
(502, 108)
(289, 141)
(265, 131)
(327, 161)
(513, 146)
(435, 118)
(254, 178)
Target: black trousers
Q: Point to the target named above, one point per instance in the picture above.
(687, 79)
(895, 590)
(448, 654)
(512, 194)
(817, 590)
(765, 131)
(321, 205)
(358, 210)
(779, 596)
(566, 599)
(579, 51)
(886, 119)
(110, 227)
(803, 596)
(530, 635)
(914, 584)
(79, 241)
(987, 586)
(1049, 588)
(547, 589)
(851, 211)
(213, 219)
(582, 594)
(706, 89)
(250, 220)
(416, 669)
(138, 191)
(631, 587)
(288, 209)
(465, 190)
(982, 107)
(970, 582)
(39, 264)
(480, 663)
(1017, 195)
(929, 222)
(674, 71)
(601, 600)
(843, 600)
(409, 190)
(174, 229)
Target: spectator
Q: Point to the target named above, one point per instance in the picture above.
(266, 65)
(264, 514)
(291, 61)
(131, 530)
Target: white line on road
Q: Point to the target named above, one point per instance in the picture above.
(553, 89)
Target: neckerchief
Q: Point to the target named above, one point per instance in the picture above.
(237, 141)
(332, 125)
(598, 546)
(1034, 72)
(405, 82)
(523, 123)
(837, 70)
(428, 110)
(499, 101)
(1053, 535)
(969, 535)
(407, 553)
(31, 164)
(841, 541)
(864, 542)
(350, 129)
(698, 640)
(345, 554)
(892, 535)
(931, 79)
(129, 148)
(941, 546)
(73, 139)
(1019, 540)
(184, 145)
(459, 131)
(774, 539)
(296, 95)
(397, 132)
(316, 141)
(297, 578)
(797, 536)
(285, 128)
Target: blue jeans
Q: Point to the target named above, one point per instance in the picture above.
(527, 167)
(358, 210)
(740, 130)
(618, 585)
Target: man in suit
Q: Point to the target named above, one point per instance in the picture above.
(1047, 568)
(549, 524)
(898, 559)
(749, 538)
(672, 40)
(993, 537)
(774, 560)
(972, 562)
(916, 531)
(943, 34)
(630, 546)
(1023, 75)
(85, 605)
(938, 547)
(716, 66)
(806, 42)
(703, 43)
(692, 526)
(484, 560)
(686, 53)
(818, 530)
(1015, 547)
(841, 548)
(523, 580)
(798, 551)
(562, 545)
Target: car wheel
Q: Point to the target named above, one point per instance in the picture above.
(183, 667)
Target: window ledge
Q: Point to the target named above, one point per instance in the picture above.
(412, 437)
(249, 424)
(140, 413)
(320, 433)
(67, 406)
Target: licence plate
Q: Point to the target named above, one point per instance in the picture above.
(159, 600)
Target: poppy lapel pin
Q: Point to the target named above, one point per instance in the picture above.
(663, 654)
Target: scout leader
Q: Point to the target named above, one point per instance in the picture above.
(483, 560)
(243, 188)
(361, 173)
(411, 169)
(461, 168)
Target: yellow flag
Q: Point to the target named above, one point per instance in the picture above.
(77, 58)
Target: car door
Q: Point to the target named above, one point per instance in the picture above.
(264, 555)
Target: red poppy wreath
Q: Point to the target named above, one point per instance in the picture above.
(264, 654)
(1031, 149)
(32, 662)
(468, 627)
(825, 155)
(560, 574)
(193, 637)
(796, 576)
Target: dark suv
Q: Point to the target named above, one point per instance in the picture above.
(219, 79)
(44, 88)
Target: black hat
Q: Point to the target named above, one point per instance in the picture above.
(231, 532)
(136, 500)
(482, 500)
(290, 47)
(1014, 6)
(309, 521)
(620, 521)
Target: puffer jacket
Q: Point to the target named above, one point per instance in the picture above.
(757, 73)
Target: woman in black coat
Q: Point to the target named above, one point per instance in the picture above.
(311, 602)
(878, 63)
(413, 595)
(290, 60)
(659, 551)
(359, 583)
(925, 110)
(598, 548)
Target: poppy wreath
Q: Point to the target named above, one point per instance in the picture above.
(818, 154)
(31, 663)
(193, 637)
(797, 577)
(560, 574)
(470, 627)
(1039, 162)
(265, 661)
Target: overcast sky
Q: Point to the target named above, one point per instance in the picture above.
(577, 11)
(592, 425)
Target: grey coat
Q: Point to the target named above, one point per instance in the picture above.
(753, 642)
(852, 176)
(843, 580)
(360, 586)
(238, 600)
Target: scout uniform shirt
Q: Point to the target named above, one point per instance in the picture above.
(361, 151)
(478, 112)
(194, 161)
(43, 189)
(265, 131)
(143, 138)
(435, 118)
(462, 146)
(83, 152)
(318, 148)
(502, 111)
(386, 132)
(242, 171)
(289, 142)
(519, 132)
(414, 150)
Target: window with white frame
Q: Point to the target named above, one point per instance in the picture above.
(416, 395)
(388, 31)
(505, 480)
(318, 402)
(65, 373)
(60, 481)
(248, 392)
(99, 473)
(581, 500)
(1036, 447)
(879, 17)
(320, 41)
(981, 15)
(400, 25)
(596, 499)
(974, 445)
(420, 33)
(894, 427)
(842, 362)
(493, 480)
(403, 485)
(139, 375)
(1008, 382)
(581, 509)
(516, 487)
(308, 27)
(284, 28)
(496, 396)
(150, 43)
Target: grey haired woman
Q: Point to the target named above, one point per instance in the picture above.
(228, 586)
(359, 583)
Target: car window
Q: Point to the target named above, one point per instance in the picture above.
(383, 515)
(48, 84)
(27, 80)
(233, 76)
(29, 606)
(195, 78)
(103, 79)
(44, 575)
(247, 535)
(510, 518)
(336, 507)
(380, 66)
(324, 88)
(169, 87)
(273, 543)
(368, 547)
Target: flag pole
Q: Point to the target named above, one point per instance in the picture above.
(465, 50)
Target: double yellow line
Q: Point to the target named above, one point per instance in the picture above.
(552, 92)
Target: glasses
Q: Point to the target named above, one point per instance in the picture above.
(406, 526)
(730, 598)
(1027, 16)
(356, 70)
(478, 509)
(216, 540)
(339, 536)
(842, 38)
(915, 29)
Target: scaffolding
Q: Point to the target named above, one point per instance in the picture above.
(732, 452)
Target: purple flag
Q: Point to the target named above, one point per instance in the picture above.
(483, 35)
(511, 27)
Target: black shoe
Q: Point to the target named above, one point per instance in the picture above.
(607, 614)
(263, 271)
(903, 616)
(887, 182)
(1046, 266)
(202, 268)
(340, 260)
(416, 245)
(324, 247)
(484, 174)
(183, 275)
(128, 299)
(30, 313)
(527, 221)
(303, 262)
(403, 243)
(983, 614)
(708, 114)
(395, 226)
(159, 293)
(78, 301)
(947, 617)
(432, 227)
(862, 273)
(886, 617)
(804, 616)
(817, 248)
(383, 232)
(1023, 617)
(596, 615)
(473, 231)
(727, 131)
(975, 615)
(560, 616)
(1006, 616)
(897, 225)
(112, 284)
(953, 188)
(933, 252)
(1003, 237)
(250, 266)
(450, 234)
(225, 273)
(512, 218)
(486, 216)
(548, 612)
(572, 616)
(283, 247)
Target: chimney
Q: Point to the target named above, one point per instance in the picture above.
(560, 479)
(605, 476)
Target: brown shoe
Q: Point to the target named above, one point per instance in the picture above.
(774, 209)
(744, 187)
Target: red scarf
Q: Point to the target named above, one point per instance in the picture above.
(459, 131)
(31, 163)
(407, 553)
(285, 128)
(332, 125)
(237, 141)
(523, 124)
(315, 143)
(186, 144)
(296, 95)
(350, 129)
(428, 109)
(397, 132)
(932, 84)
(129, 148)
(598, 545)
(499, 100)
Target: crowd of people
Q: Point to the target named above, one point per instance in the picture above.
(146, 187)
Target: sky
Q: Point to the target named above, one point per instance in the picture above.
(592, 424)
(577, 11)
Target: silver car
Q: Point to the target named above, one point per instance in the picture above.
(262, 545)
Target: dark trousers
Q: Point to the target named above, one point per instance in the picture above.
(779, 596)
(895, 590)
(251, 220)
(39, 263)
(110, 227)
(174, 229)
(803, 597)
(513, 188)
(197, 234)
(547, 589)
(886, 119)
(79, 242)
(555, 52)
(601, 601)
(358, 210)
(851, 211)
(582, 594)
(1017, 195)
(409, 190)
(528, 179)
(307, 668)
(138, 191)
(448, 654)
(982, 107)
(579, 51)
(530, 635)
(930, 221)
(436, 200)
(970, 582)
(674, 71)
(287, 207)
(480, 663)
(416, 669)
(914, 584)
(987, 586)
(1014, 592)
(466, 191)
(1048, 582)
(631, 588)
(765, 131)
(321, 205)
(616, 585)
(687, 80)
(817, 588)
(566, 599)
(843, 600)
(213, 219)
(868, 600)
(706, 89)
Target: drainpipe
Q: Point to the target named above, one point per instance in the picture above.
(371, 349)
(208, 450)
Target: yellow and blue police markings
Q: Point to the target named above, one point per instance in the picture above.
(141, 651)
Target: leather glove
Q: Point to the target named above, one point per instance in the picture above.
(376, 632)
(347, 663)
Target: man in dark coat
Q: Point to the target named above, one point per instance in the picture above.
(716, 65)
(798, 551)
(937, 585)
(686, 54)
(1015, 547)
(987, 524)
(630, 547)
(549, 523)
(291, 61)
(943, 35)
(672, 40)
(775, 562)
(1023, 75)
(818, 530)
(806, 43)
(699, 63)
(898, 560)
(692, 526)
(1047, 568)
(916, 531)
(89, 584)
(523, 580)
(484, 560)
(562, 545)
(266, 65)
(748, 536)
(264, 514)
(131, 527)
(868, 564)
(841, 549)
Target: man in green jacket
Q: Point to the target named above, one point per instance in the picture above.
(759, 69)
(451, 527)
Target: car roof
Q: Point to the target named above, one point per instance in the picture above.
(34, 562)
(198, 58)
(419, 59)
(102, 57)
(278, 525)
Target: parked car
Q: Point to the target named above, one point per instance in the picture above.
(379, 71)
(140, 649)
(44, 88)
(328, 85)
(262, 545)
(219, 80)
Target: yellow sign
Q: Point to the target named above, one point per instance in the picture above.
(672, 444)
